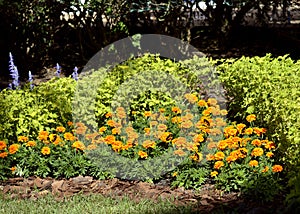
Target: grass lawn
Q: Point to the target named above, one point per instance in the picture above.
(87, 204)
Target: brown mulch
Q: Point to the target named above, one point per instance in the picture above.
(207, 200)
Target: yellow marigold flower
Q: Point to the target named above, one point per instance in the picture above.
(69, 136)
(2, 145)
(240, 127)
(174, 174)
(277, 168)
(111, 123)
(253, 163)
(162, 127)
(176, 110)
(13, 169)
(214, 173)
(22, 139)
(196, 157)
(242, 152)
(43, 135)
(176, 119)
(143, 154)
(162, 110)
(13, 148)
(256, 142)
(219, 156)
(191, 98)
(258, 131)
(102, 129)
(179, 152)
(147, 130)
(3, 154)
(149, 144)
(117, 146)
(31, 144)
(116, 131)
(132, 136)
(231, 158)
(265, 169)
(153, 123)
(206, 112)
(269, 154)
(248, 131)
(251, 118)
(108, 115)
(222, 144)
(165, 137)
(186, 124)
(270, 145)
(212, 101)
(218, 164)
(223, 112)
(257, 152)
(230, 131)
(202, 103)
(78, 145)
(60, 129)
(147, 113)
(46, 150)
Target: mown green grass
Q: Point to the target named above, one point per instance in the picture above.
(82, 204)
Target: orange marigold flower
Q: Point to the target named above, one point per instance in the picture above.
(3, 154)
(251, 118)
(147, 130)
(277, 168)
(31, 144)
(179, 152)
(242, 152)
(60, 129)
(142, 154)
(147, 113)
(270, 145)
(222, 144)
(43, 135)
(202, 103)
(102, 129)
(212, 102)
(257, 152)
(117, 146)
(162, 110)
(149, 144)
(256, 142)
(231, 158)
(186, 124)
(22, 139)
(211, 145)
(110, 123)
(214, 173)
(198, 138)
(218, 164)
(219, 156)
(269, 154)
(2, 145)
(109, 139)
(230, 131)
(248, 131)
(206, 112)
(69, 136)
(265, 169)
(258, 131)
(220, 122)
(179, 142)
(81, 130)
(191, 98)
(108, 115)
(13, 148)
(176, 110)
(162, 127)
(253, 163)
(78, 145)
(13, 169)
(70, 123)
(210, 157)
(46, 150)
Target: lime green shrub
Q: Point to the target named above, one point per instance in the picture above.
(26, 112)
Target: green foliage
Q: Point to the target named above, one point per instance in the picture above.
(26, 112)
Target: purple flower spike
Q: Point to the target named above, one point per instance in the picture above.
(58, 70)
(30, 79)
(75, 74)
(13, 71)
